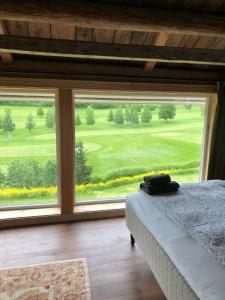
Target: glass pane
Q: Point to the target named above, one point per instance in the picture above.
(27, 149)
(118, 144)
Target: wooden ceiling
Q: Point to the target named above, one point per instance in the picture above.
(32, 19)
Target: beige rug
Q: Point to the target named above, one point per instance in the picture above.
(63, 280)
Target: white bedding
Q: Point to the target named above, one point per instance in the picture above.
(201, 271)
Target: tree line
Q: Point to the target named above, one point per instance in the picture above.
(134, 113)
(8, 125)
(29, 174)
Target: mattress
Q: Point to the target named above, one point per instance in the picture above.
(179, 263)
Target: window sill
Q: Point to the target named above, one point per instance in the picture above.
(37, 216)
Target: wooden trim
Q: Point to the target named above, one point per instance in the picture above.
(65, 143)
(210, 114)
(159, 40)
(114, 16)
(6, 57)
(52, 69)
(109, 86)
(54, 219)
(95, 50)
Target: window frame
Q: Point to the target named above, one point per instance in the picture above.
(116, 88)
(36, 92)
(83, 96)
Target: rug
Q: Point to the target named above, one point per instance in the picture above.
(63, 280)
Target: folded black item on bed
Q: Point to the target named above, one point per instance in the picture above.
(172, 186)
(157, 179)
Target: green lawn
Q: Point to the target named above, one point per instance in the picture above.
(110, 147)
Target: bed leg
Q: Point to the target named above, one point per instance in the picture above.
(132, 240)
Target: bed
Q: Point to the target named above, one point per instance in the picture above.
(183, 269)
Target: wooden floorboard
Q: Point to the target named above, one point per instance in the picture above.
(117, 271)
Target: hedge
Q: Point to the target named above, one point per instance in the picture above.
(51, 191)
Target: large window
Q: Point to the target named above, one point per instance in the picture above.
(118, 143)
(27, 148)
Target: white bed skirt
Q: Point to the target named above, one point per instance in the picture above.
(170, 280)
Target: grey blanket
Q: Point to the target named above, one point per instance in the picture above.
(199, 209)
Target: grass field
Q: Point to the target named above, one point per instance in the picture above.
(109, 147)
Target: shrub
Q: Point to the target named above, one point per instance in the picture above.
(7, 124)
(137, 171)
(146, 115)
(24, 174)
(2, 179)
(167, 111)
(78, 120)
(50, 118)
(90, 118)
(30, 124)
(40, 111)
(49, 174)
(110, 116)
(118, 117)
(23, 193)
(129, 179)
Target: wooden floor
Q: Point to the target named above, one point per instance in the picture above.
(117, 271)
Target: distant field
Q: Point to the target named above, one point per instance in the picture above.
(110, 147)
(156, 144)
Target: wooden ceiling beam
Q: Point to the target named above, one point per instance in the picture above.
(6, 57)
(94, 50)
(114, 16)
(159, 40)
(72, 69)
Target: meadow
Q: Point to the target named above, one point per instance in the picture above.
(110, 148)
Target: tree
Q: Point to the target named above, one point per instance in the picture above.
(152, 107)
(187, 106)
(167, 111)
(8, 125)
(24, 174)
(40, 111)
(49, 176)
(78, 120)
(127, 113)
(30, 124)
(134, 115)
(110, 116)
(50, 118)
(82, 171)
(146, 115)
(90, 118)
(118, 117)
(137, 107)
(2, 179)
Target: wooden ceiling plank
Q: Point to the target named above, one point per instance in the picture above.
(59, 31)
(159, 40)
(6, 57)
(122, 37)
(93, 50)
(39, 30)
(84, 34)
(103, 35)
(114, 16)
(17, 28)
(138, 38)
